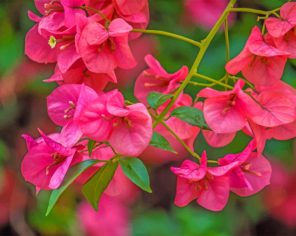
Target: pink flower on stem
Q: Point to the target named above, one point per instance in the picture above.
(214, 139)
(52, 38)
(282, 30)
(64, 107)
(252, 172)
(225, 111)
(208, 185)
(128, 129)
(156, 79)
(104, 49)
(47, 160)
(259, 62)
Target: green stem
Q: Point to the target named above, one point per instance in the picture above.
(256, 11)
(192, 153)
(226, 30)
(168, 34)
(212, 80)
(204, 46)
(201, 84)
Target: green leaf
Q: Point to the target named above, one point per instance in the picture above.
(136, 171)
(160, 142)
(73, 173)
(90, 146)
(157, 99)
(95, 187)
(191, 115)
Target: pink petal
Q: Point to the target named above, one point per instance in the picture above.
(67, 57)
(60, 173)
(189, 170)
(218, 140)
(132, 137)
(258, 175)
(277, 109)
(123, 54)
(61, 100)
(277, 27)
(119, 27)
(185, 193)
(221, 117)
(216, 195)
(37, 48)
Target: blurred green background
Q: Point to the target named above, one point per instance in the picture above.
(23, 109)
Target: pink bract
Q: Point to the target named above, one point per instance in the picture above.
(156, 79)
(225, 111)
(259, 62)
(127, 128)
(103, 50)
(252, 173)
(47, 161)
(282, 29)
(210, 186)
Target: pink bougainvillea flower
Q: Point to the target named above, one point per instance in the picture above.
(37, 48)
(132, 129)
(128, 129)
(212, 138)
(135, 13)
(259, 62)
(53, 37)
(95, 121)
(276, 108)
(208, 185)
(111, 219)
(205, 13)
(64, 104)
(104, 49)
(156, 79)
(225, 111)
(282, 30)
(188, 133)
(47, 161)
(252, 173)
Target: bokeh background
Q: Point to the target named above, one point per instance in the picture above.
(23, 109)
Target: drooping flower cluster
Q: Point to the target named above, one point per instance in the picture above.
(89, 40)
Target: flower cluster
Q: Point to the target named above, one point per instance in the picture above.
(89, 40)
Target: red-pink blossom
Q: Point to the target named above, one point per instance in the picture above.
(225, 111)
(156, 79)
(208, 185)
(127, 128)
(252, 172)
(47, 161)
(259, 62)
(104, 49)
(282, 30)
